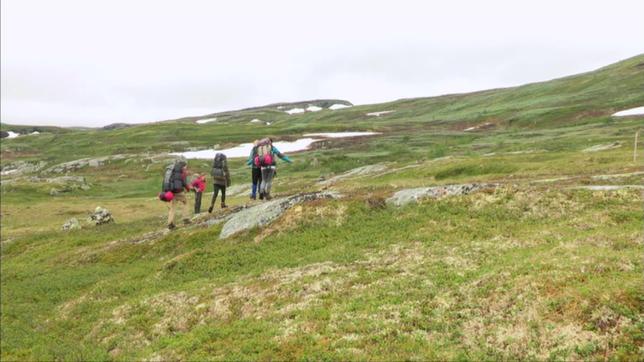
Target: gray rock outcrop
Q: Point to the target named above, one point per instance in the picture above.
(85, 162)
(265, 213)
(101, 216)
(72, 224)
(406, 196)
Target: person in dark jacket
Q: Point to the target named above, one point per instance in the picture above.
(179, 184)
(256, 172)
(198, 186)
(221, 180)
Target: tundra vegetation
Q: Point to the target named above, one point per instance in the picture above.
(531, 264)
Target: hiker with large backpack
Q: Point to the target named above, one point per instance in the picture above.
(256, 172)
(264, 157)
(174, 183)
(221, 180)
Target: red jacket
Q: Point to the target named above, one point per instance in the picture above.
(199, 183)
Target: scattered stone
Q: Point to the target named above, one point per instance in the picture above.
(603, 147)
(265, 213)
(85, 162)
(72, 224)
(406, 196)
(101, 216)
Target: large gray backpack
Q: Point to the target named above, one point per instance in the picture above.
(218, 167)
(172, 177)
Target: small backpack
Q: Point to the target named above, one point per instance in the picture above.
(218, 166)
(264, 153)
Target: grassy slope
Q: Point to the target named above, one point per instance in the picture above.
(530, 270)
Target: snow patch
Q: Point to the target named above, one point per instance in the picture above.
(295, 111)
(13, 134)
(638, 111)
(256, 121)
(378, 114)
(313, 108)
(338, 106)
(35, 132)
(243, 150)
(206, 120)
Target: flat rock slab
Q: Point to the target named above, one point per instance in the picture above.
(604, 147)
(406, 196)
(265, 213)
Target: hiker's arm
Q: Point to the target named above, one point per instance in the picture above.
(250, 160)
(281, 155)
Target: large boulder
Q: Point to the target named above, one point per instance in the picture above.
(101, 216)
(406, 196)
(265, 213)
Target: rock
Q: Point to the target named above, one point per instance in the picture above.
(85, 162)
(66, 184)
(22, 167)
(72, 224)
(357, 172)
(406, 196)
(603, 147)
(54, 191)
(265, 213)
(101, 216)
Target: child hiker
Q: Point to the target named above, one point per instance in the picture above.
(198, 186)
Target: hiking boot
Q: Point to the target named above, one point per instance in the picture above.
(210, 210)
(223, 206)
(171, 226)
(261, 196)
(268, 197)
(187, 221)
(253, 197)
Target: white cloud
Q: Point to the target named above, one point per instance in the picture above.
(76, 62)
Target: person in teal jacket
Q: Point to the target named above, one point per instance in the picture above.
(267, 172)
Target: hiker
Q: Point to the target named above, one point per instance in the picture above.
(264, 157)
(221, 179)
(256, 172)
(198, 185)
(175, 181)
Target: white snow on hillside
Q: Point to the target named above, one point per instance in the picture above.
(13, 134)
(206, 120)
(378, 114)
(256, 121)
(295, 111)
(338, 106)
(313, 108)
(630, 112)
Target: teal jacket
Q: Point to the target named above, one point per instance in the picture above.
(274, 151)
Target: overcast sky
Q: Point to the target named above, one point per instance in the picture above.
(91, 63)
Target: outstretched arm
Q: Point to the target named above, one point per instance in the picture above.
(281, 155)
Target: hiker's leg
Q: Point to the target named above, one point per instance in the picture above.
(171, 211)
(197, 202)
(256, 179)
(215, 191)
(265, 175)
(183, 200)
(223, 196)
(269, 179)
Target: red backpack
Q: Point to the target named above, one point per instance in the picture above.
(264, 153)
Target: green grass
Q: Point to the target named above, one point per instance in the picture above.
(529, 270)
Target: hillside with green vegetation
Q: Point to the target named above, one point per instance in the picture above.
(542, 259)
